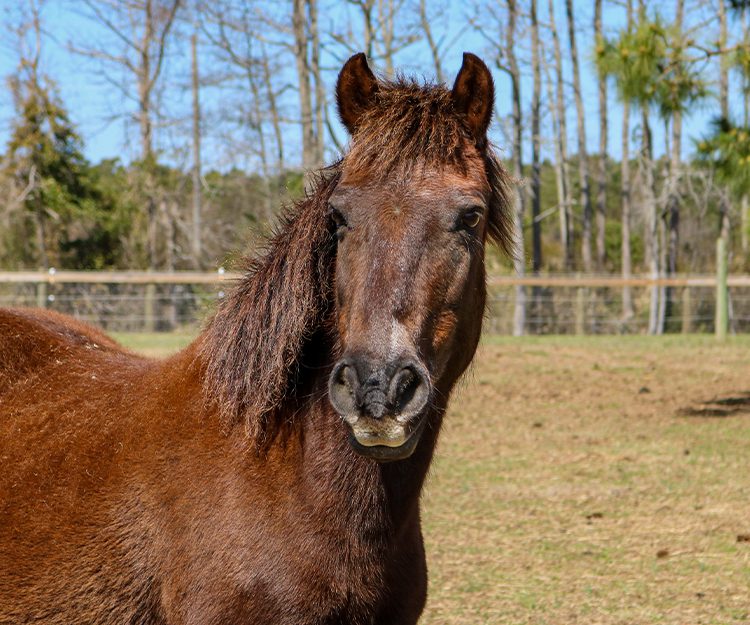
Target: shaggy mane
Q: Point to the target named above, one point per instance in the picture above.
(253, 345)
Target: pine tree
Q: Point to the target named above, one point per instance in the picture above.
(75, 224)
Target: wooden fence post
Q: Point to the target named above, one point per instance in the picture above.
(149, 321)
(41, 295)
(580, 311)
(722, 295)
(687, 319)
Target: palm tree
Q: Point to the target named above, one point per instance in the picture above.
(651, 71)
(634, 60)
(727, 151)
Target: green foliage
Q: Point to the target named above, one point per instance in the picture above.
(649, 66)
(739, 5)
(740, 59)
(74, 218)
(727, 149)
(635, 59)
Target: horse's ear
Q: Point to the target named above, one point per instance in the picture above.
(474, 96)
(355, 90)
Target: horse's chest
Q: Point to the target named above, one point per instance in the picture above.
(297, 577)
(322, 580)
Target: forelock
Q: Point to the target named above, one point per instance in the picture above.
(409, 125)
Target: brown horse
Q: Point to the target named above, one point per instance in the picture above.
(271, 471)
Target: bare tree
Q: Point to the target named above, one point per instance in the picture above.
(724, 106)
(273, 108)
(28, 33)
(141, 28)
(561, 146)
(433, 45)
(671, 214)
(237, 36)
(536, 166)
(301, 17)
(648, 201)
(196, 169)
(388, 27)
(320, 89)
(510, 66)
(626, 197)
(583, 162)
(601, 191)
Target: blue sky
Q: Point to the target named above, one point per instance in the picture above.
(95, 106)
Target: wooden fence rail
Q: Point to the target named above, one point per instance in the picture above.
(215, 277)
(558, 303)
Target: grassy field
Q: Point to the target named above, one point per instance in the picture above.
(601, 480)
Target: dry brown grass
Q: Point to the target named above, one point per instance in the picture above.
(591, 480)
(586, 481)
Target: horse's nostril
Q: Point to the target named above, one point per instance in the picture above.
(342, 388)
(380, 391)
(409, 390)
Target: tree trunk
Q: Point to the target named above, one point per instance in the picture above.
(651, 221)
(434, 52)
(626, 263)
(745, 221)
(169, 213)
(196, 173)
(601, 195)
(583, 163)
(41, 238)
(724, 225)
(320, 89)
(309, 147)
(671, 215)
(386, 12)
(536, 168)
(626, 207)
(257, 122)
(366, 6)
(557, 163)
(561, 145)
(519, 261)
(673, 208)
(274, 110)
(144, 121)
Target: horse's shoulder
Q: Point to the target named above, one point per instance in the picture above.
(30, 338)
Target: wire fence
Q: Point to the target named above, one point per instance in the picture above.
(561, 304)
(599, 310)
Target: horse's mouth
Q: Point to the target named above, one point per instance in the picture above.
(386, 442)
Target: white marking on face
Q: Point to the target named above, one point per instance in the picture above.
(399, 342)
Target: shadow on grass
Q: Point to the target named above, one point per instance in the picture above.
(720, 407)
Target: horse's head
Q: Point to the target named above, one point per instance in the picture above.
(419, 192)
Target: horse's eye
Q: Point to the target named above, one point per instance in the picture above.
(339, 221)
(471, 219)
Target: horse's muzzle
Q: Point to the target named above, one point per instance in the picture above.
(383, 404)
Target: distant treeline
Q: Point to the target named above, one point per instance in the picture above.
(259, 75)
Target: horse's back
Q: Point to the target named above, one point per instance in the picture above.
(70, 399)
(31, 339)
